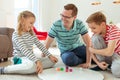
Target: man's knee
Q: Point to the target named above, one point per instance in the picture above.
(68, 59)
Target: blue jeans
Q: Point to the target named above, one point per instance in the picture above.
(74, 57)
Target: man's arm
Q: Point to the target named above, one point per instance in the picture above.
(49, 41)
(95, 58)
(86, 39)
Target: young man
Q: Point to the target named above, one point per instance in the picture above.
(106, 43)
(67, 32)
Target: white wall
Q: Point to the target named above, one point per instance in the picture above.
(52, 9)
(6, 13)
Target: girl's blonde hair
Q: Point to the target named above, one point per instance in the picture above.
(22, 16)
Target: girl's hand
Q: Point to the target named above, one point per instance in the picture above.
(53, 58)
(43, 55)
(39, 67)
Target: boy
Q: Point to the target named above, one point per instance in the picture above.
(105, 43)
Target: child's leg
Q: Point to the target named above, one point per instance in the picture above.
(46, 62)
(26, 67)
(115, 68)
(98, 43)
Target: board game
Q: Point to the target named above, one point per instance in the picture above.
(71, 73)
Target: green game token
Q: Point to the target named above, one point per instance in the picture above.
(62, 69)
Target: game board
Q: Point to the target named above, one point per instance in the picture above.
(76, 74)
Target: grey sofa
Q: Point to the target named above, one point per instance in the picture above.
(6, 47)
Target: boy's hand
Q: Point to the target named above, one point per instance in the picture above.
(103, 65)
(91, 49)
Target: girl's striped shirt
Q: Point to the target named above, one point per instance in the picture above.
(23, 45)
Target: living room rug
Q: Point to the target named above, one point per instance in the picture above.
(71, 73)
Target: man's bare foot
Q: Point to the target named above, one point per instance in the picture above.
(80, 65)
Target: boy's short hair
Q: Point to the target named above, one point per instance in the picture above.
(71, 7)
(97, 17)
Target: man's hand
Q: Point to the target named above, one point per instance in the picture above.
(39, 67)
(53, 58)
(85, 65)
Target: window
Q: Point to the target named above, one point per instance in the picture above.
(36, 11)
(31, 5)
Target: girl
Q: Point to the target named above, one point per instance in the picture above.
(106, 43)
(23, 41)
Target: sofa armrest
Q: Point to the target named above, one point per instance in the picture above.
(4, 46)
(10, 32)
(5, 31)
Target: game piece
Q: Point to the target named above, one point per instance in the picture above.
(66, 67)
(70, 70)
(57, 69)
(66, 70)
(61, 69)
